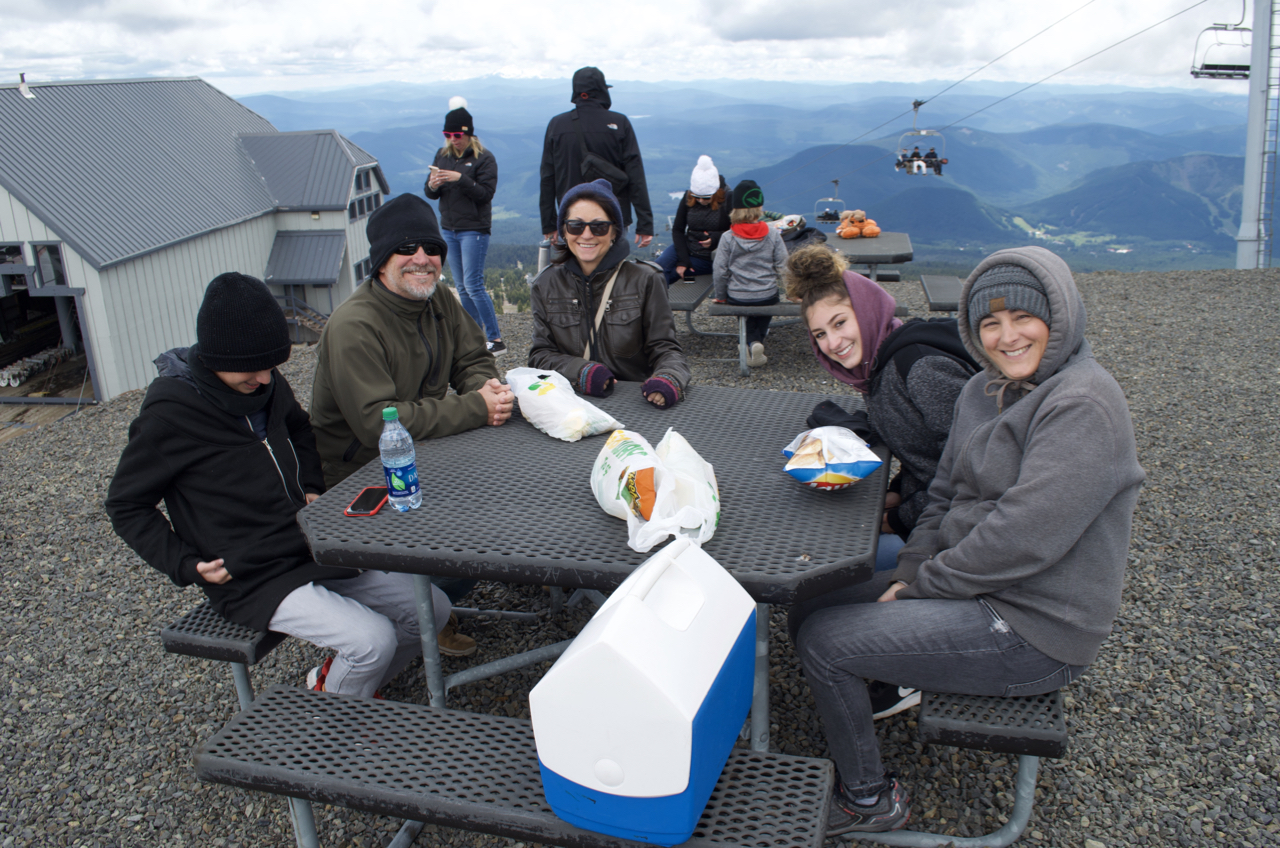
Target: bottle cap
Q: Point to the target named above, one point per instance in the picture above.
(390, 414)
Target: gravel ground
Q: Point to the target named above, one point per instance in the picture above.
(1174, 728)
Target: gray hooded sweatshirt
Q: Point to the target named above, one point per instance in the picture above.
(1032, 506)
(748, 269)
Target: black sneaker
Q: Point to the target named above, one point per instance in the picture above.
(891, 811)
(497, 348)
(887, 699)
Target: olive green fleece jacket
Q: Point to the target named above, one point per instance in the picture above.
(379, 349)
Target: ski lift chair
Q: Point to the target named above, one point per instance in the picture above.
(1223, 42)
(915, 138)
(827, 210)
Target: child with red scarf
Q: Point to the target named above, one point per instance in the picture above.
(750, 259)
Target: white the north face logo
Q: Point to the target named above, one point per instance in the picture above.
(612, 126)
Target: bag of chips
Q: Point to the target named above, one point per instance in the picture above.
(547, 401)
(829, 458)
(659, 493)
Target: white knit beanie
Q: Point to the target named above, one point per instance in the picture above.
(705, 180)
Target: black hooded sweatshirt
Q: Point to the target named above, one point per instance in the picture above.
(607, 134)
(228, 493)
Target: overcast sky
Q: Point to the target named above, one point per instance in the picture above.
(250, 46)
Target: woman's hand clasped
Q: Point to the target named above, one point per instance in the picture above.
(891, 594)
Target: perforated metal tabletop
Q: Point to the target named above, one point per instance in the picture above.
(884, 249)
(512, 504)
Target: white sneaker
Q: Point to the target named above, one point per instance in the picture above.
(756, 358)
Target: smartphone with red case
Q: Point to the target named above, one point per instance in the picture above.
(368, 502)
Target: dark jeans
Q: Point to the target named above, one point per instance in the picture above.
(455, 587)
(668, 261)
(757, 325)
(957, 646)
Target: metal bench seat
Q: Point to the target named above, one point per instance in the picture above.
(942, 292)
(477, 772)
(204, 633)
(1031, 728)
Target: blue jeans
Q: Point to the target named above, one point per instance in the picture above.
(887, 551)
(668, 260)
(467, 249)
(957, 646)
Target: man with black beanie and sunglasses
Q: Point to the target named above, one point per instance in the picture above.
(398, 341)
(222, 441)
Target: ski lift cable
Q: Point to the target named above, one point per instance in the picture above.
(989, 105)
(939, 94)
(1007, 52)
(1073, 64)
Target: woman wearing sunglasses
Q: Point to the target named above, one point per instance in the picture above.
(701, 218)
(597, 317)
(464, 178)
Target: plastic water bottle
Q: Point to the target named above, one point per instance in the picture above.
(399, 463)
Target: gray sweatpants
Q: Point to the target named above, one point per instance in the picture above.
(371, 620)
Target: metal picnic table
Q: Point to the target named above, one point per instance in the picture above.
(884, 249)
(512, 504)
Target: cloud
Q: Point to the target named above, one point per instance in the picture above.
(251, 45)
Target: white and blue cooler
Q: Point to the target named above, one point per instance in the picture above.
(636, 719)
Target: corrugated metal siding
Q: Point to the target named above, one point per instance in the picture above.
(135, 165)
(152, 302)
(305, 258)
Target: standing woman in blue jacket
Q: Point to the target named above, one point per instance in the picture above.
(464, 178)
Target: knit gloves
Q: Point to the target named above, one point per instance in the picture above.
(828, 414)
(665, 386)
(596, 380)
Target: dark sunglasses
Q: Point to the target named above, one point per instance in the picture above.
(448, 134)
(409, 248)
(574, 227)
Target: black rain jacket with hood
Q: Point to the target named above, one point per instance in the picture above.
(607, 134)
(229, 494)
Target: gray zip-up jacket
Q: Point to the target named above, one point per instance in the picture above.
(1032, 506)
(748, 269)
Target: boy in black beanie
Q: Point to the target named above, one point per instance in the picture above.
(222, 441)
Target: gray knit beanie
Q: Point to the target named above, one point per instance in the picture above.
(1007, 287)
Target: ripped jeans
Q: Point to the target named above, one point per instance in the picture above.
(963, 647)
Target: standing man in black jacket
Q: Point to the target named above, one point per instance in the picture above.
(222, 441)
(590, 126)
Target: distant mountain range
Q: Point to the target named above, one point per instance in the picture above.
(1076, 164)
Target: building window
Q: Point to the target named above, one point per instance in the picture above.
(11, 254)
(49, 265)
(362, 270)
(366, 203)
(351, 211)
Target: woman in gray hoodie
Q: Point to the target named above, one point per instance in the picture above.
(1011, 579)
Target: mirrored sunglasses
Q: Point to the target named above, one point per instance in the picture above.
(448, 134)
(575, 227)
(411, 247)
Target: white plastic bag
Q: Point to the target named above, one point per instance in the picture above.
(547, 401)
(829, 458)
(632, 481)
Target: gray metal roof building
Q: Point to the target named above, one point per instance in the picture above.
(146, 189)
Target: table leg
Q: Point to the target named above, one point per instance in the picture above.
(760, 694)
(871, 268)
(431, 665)
(742, 346)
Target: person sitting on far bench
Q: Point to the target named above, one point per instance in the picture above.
(931, 159)
(750, 259)
(1011, 580)
(222, 441)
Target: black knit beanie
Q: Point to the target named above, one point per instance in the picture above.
(747, 195)
(1007, 287)
(240, 326)
(599, 191)
(404, 218)
(459, 119)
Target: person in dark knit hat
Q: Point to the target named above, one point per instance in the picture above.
(463, 179)
(590, 142)
(748, 263)
(623, 329)
(222, 441)
(398, 342)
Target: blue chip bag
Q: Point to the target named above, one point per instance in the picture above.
(829, 458)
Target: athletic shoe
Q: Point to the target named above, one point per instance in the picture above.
(757, 359)
(452, 643)
(496, 348)
(891, 811)
(887, 699)
(315, 677)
